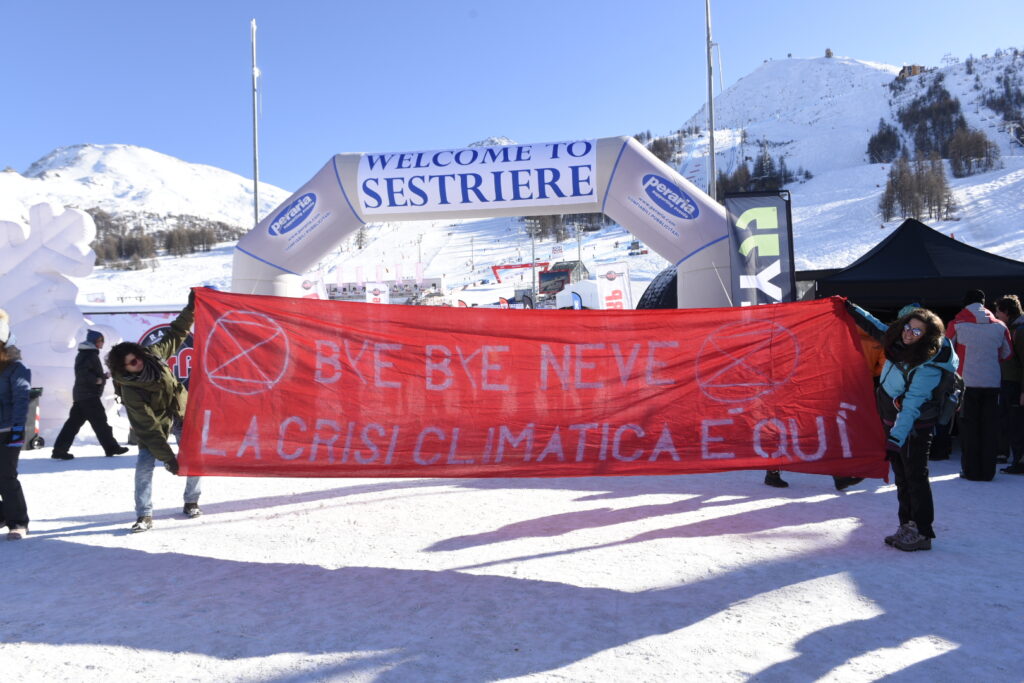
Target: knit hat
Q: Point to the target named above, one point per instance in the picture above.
(5, 326)
(93, 336)
(907, 309)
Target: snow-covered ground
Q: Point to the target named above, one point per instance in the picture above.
(699, 577)
(689, 578)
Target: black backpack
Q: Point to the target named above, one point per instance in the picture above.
(949, 396)
(946, 399)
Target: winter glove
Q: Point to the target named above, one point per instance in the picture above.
(191, 300)
(171, 465)
(892, 449)
(850, 308)
(16, 438)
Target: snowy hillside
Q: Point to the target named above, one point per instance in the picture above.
(816, 114)
(125, 178)
(461, 253)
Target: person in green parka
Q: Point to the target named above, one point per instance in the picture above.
(155, 402)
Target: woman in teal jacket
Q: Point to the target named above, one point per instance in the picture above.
(918, 355)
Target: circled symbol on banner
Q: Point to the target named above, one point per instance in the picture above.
(744, 360)
(246, 353)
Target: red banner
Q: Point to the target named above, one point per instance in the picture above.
(306, 388)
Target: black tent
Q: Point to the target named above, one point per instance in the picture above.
(918, 264)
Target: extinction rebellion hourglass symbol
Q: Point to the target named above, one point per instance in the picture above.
(744, 360)
(246, 353)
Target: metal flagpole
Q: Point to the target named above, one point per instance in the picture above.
(255, 133)
(533, 264)
(712, 175)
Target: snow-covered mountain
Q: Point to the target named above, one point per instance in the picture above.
(816, 114)
(126, 179)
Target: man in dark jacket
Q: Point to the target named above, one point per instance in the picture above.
(1008, 311)
(88, 405)
(155, 402)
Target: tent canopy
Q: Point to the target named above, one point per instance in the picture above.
(918, 264)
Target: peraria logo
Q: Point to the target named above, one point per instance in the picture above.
(376, 291)
(293, 214)
(611, 275)
(669, 197)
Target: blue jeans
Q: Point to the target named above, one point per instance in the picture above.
(144, 482)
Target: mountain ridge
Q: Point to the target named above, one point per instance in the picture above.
(818, 114)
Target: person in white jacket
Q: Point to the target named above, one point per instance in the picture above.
(982, 342)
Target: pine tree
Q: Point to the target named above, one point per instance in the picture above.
(970, 152)
(662, 148)
(884, 145)
(887, 205)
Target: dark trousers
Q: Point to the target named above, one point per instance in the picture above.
(88, 410)
(979, 422)
(13, 511)
(1011, 416)
(914, 492)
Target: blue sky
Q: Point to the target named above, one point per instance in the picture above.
(404, 75)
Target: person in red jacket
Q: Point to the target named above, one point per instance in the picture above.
(981, 342)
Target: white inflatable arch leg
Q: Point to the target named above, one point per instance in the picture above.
(615, 176)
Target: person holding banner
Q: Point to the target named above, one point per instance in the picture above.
(917, 356)
(155, 403)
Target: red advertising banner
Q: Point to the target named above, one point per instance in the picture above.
(308, 388)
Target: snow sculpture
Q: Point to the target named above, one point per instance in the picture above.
(47, 322)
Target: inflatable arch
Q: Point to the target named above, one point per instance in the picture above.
(615, 176)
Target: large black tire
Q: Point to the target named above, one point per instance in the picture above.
(661, 293)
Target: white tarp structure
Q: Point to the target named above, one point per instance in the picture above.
(614, 176)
